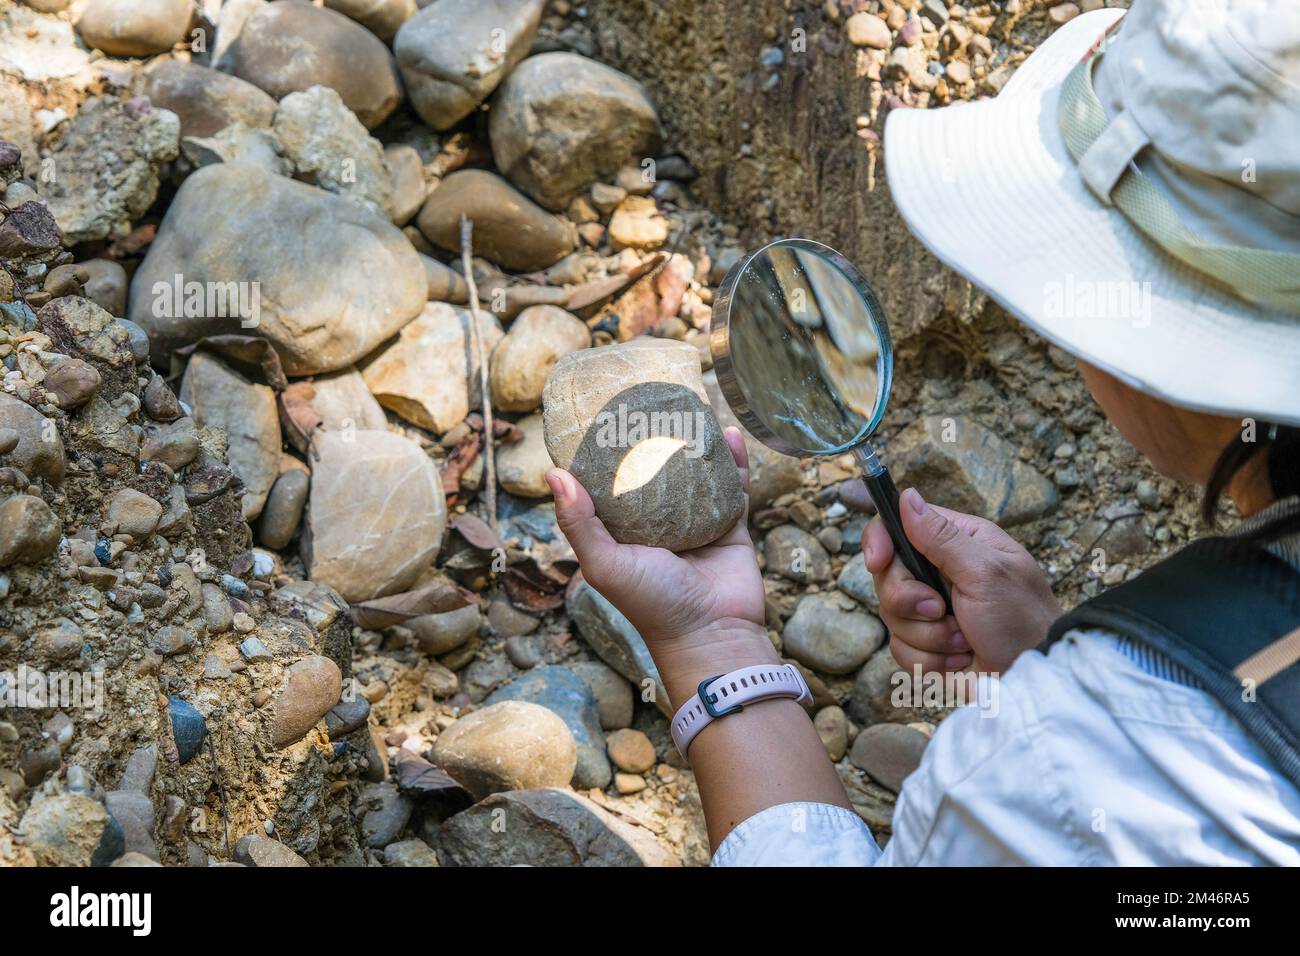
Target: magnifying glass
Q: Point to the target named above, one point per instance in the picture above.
(804, 359)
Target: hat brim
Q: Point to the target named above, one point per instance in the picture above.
(991, 190)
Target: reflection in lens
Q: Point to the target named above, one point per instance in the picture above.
(805, 349)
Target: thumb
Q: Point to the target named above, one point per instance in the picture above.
(576, 515)
(935, 535)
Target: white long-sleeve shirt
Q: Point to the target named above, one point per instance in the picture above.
(1092, 758)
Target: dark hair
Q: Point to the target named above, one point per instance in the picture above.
(1281, 445)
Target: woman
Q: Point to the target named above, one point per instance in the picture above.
(1100, 168)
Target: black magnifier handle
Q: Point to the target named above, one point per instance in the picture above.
(885, 495)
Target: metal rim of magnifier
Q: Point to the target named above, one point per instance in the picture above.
(720, 349)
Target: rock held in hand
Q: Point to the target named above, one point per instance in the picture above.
(632, 423)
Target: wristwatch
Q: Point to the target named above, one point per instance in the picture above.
(725, 694)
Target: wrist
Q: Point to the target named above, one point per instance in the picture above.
(716, 649)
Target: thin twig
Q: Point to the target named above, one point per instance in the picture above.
(490, 466)
(221, 793)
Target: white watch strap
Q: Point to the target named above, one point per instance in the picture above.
(728, 693)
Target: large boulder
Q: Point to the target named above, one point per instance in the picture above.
(509, 228)
(453, 53)
(430, 375)
(222, 398)
(633, 424)
(135, 27)
(561, 121)
(546, 828)
(289, 46)
(376, 513)
(330, 279)
(206, 100)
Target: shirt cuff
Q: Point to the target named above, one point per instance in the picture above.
(799, 834)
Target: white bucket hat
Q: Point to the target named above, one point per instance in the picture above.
(1134, 199)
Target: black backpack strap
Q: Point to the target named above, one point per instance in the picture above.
(1228, 612)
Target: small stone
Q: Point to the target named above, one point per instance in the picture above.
(346, 716)
(522, 466)
(220, 397)
(282, 512)
(614, 701)
(445, 283)
(189, 729)
(867, 29)
(205, 100)
(258, 850)
(509, 229)
(512, 745)
(795, 554)
(888, 753)
(106, 287)
(616, 642)
(637, 224)
(522, 653)
(827, 638)
(629, 783)
(355, 539)
(388, 813)
(67, 829)
(454, 53)
(172, 640)
(548, 827)
(523, 359)
(408, 188)
(134, 513)
(39, 452)
(287, 47)
(1063, 13)
(134, 27)
(72, 382)
(254, 651)
(565, 694)
(218, 615)
(631, 751)
(442, 633)
(606, 197)
(856, 581)
(970, 469)
(29, 531)
(832, 726)
(410, 853)
(312, 686)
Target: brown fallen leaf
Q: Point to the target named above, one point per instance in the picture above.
(477, 532)
(298, 419)
(252, 351)
(434, 598)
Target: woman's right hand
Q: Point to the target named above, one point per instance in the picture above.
(1002, 602)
